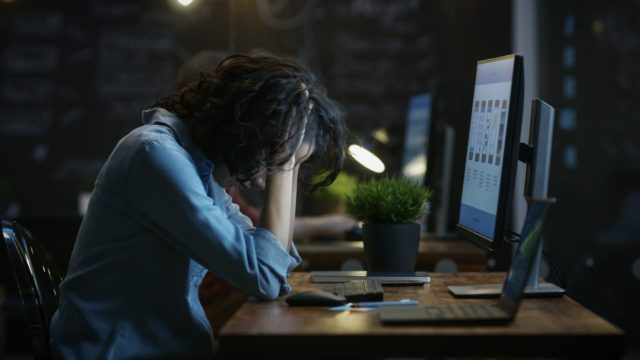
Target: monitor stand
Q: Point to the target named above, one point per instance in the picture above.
(534, 287)
(537, 156)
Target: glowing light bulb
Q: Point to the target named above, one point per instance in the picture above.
(366, 158)
(185, 2)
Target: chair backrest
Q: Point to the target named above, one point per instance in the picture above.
(38, 282)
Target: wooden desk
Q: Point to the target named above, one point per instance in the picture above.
(331, 255)
(543, 327)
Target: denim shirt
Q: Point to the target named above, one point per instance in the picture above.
(156, 222)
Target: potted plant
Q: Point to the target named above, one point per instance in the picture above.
(390, 209)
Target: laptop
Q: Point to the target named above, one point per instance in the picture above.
(386, 278)
(500, 312)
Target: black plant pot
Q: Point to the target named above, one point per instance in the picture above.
(391, 247)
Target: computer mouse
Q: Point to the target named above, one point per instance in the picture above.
(315, 298)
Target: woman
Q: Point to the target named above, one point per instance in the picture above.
(158, 219)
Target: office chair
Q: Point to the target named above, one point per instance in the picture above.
(38, 282)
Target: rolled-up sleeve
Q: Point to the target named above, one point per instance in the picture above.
(281, 264)
(166, 194)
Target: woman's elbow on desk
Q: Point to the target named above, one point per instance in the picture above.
(266, 285)
(269, 287)
(267, 296)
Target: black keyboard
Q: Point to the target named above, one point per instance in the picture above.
(358, 290)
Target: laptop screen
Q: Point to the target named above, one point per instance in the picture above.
(526, 253)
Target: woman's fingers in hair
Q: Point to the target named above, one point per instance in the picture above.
(305, 150)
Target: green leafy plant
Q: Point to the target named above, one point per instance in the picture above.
(388, 201)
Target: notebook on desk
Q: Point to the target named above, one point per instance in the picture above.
(386, 278)
(502, 311)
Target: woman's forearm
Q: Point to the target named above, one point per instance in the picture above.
(279, 205)
(294, 199)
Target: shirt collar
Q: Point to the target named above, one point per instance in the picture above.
(162, 116)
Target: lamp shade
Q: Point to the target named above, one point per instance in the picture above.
(366, 158)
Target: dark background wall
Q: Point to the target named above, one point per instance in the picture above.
(590, 71)
(74, 78)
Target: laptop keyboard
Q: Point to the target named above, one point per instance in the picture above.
(464, 311)
(358, 290)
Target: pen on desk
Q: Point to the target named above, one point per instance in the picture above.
(403, 302)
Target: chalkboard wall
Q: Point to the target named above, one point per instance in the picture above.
(75, 75)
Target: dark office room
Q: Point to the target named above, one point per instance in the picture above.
(403, 179)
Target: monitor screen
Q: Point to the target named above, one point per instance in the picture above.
(416, 139)
(491, 154)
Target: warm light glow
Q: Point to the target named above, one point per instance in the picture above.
(381, 135)
(366, 158)
(416, 168)
(598, 26)
(185, 2)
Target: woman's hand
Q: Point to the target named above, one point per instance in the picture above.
(305, 150)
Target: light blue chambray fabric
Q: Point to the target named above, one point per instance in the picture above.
(156, 222)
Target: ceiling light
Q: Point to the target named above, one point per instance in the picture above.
(185, 2)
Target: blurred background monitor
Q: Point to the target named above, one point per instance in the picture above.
(416, 139)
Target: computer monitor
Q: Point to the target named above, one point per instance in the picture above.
(416, 139)
(492, 156)
(492, 150)
(419, 163)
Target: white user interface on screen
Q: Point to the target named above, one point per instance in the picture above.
(486, 146)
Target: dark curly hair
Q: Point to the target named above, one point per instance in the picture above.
(249, 112)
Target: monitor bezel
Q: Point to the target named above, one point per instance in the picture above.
(510, 163)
